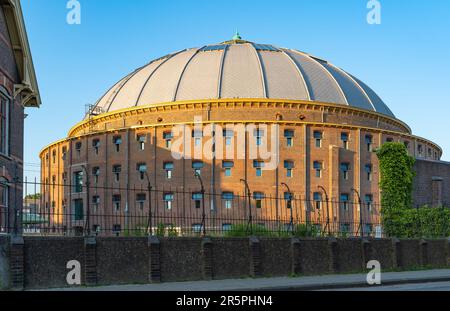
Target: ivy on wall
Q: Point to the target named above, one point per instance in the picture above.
(396, 169)
(398, 217)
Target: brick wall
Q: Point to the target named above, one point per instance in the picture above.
(432, 183)
(148, 260)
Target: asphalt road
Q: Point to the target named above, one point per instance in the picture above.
(432, 286)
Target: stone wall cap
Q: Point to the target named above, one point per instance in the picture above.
(153, 240)
(253, 239)
(17, 240)
(90, 240)
(437, 178)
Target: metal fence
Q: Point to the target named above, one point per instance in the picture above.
(73, 210)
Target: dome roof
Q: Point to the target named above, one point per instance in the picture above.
(240, 69)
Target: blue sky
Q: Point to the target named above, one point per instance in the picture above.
(405, 59)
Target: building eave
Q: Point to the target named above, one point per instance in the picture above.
(28, 87)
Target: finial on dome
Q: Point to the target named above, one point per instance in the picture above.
(237, 36)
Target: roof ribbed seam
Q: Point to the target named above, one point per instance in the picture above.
(356, 83)
(330, 75)
(263, 76)
(299, 72)
(116, 92)
(116, 85)
(184, 70)
(151, 75)
(219, 80)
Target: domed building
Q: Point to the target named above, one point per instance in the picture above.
(324, 122)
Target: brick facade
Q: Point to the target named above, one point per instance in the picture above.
(432, 183)
(11, 164)
(81, 155)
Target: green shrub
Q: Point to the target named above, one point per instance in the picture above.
(244, 230)
(172, 231)
(426, 222)
(306, 230)
(160, 230)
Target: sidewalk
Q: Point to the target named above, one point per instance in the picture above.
(282, 283)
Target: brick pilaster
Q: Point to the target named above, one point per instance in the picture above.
(396, 253)
(255, 257)
(207, 257)
(448, 252)
(90, 261)
(333, 253)
(423, 255)
(296, 267)
(154, 248)
(17, 263)
(366, 252)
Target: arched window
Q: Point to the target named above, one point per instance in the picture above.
(4, 121)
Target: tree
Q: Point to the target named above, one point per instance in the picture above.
(396, 169)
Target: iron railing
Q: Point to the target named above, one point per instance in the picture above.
(72, 210)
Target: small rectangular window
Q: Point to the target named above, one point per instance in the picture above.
(369, 142)
(140, 200)
(168, 136)
(78, 147)
(345, 167)
(344, 201)
(369, 201)
(96, 145)
(228, 134)
(344, 139)
(289, 135)
(258, 134)
(226, 227)
(197, 166)
(197, 228)
(228, 198)
(368, 169)
(116, 171)
(318, 138)
(318, 168)
(116, 202)
(142, 169)
(197, 198)
(258, 197)
(317, 197)
(227, 166)
(141, 140)
(258, 165)
(168, 200)
(117, 141)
